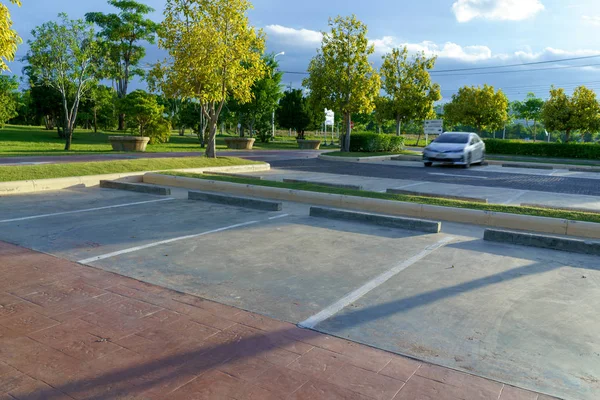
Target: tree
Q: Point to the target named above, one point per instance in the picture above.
(122, 34)
(340, 75)
(529, 110)
(382, 112)
(567, 114)
(293, 112)
(256, 114)
(8, 99)
(141, 108)
(9, 39)
(409, 87)
(482, 108)
(214, 55)
(65, 56)
(101, 105)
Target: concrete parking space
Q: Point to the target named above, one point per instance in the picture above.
(522, 316)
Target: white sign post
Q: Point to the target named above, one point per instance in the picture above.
(433, 127)
(329, 121)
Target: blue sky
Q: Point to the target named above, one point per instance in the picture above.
(462, 33)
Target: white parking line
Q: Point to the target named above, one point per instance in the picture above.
(85, 210)
(147, 246)
(515, 197)
(460, 176)
(279, 216)
(411, 185)
(363, 290)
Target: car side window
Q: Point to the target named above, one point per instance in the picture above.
(472, 142)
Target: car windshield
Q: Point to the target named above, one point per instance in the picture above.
(452, 138)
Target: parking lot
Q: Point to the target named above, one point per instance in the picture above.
(522, 316)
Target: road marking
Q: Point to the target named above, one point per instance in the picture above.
(369, 286)
(279, 216)
(516, 197)
(86, 210)
(147, 246)
(460, 176)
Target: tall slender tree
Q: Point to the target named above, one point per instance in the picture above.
(341, 76)
(66, 57)
(214, 54)
(408, 85)
(123, 36)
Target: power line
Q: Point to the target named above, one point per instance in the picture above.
(522, 70)
(515, 65)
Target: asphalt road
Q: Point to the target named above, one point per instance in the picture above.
(454, 175)
(257, 155)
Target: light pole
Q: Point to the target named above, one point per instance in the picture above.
(273, 116)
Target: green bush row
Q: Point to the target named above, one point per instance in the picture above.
(541, 149)
(372, 142)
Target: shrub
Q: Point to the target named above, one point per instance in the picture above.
(372, 142)
(159, 131)
(559, 150)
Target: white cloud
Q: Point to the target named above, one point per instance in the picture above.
(295, 37)
(594, 20)
(304, 39)
(499, 10)
(448, 50)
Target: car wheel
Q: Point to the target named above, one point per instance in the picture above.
(428, 164)
(468, 162)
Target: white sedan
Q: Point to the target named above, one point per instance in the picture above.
(458, 148)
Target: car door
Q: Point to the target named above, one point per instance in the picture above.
(472, 148)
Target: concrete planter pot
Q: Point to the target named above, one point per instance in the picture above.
(129, 143)
(309, 144)
(239, 143)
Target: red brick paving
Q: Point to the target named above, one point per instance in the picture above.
(73, 332)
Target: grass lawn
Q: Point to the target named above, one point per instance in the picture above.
(538, 212)
(47, 171)
(36, 141)
(374, 154)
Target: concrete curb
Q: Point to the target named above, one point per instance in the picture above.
(584, 169)
(236, 201)
(41, 185)
(528, 166)
(355, 159)
(438, 196)
(376, 219)
(233, 175)
(430, 212)
(575, 209)
(328, 184)
(408, 158)
(544, 242)
(136, 187)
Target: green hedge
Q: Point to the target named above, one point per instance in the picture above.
(541, 149)
(372, 142)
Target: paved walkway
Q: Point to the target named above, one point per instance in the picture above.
(72, 332)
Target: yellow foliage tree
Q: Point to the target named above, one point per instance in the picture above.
(9, 39)
(214, 54)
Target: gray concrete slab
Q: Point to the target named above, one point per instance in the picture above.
(523, 316)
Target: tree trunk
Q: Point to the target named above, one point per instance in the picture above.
(346, 147)
(568, 136)
(211, 146)
(95, 121)
(69, 136)
(398, 126)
